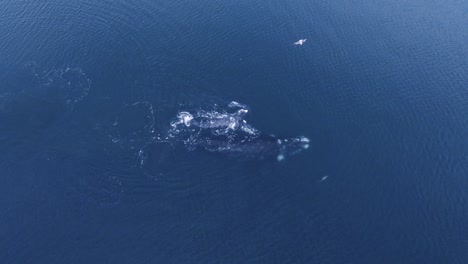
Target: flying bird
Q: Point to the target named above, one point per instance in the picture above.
(300, 42)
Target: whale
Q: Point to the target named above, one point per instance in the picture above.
(229, 133)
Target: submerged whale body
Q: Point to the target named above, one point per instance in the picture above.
(260, 147)
(228, 121)
(229, 133)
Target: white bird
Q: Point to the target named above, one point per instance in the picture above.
(300, 42)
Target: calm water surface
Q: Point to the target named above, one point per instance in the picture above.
(379, 88)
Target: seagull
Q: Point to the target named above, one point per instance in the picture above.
(300, 42)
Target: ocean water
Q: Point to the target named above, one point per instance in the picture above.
(380, 88)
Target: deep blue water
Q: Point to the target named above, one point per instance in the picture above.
(380, 88)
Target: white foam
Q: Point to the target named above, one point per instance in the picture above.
(233, 123)
(249, 129)
(235, 104)
(280, 157)
(185, 117)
